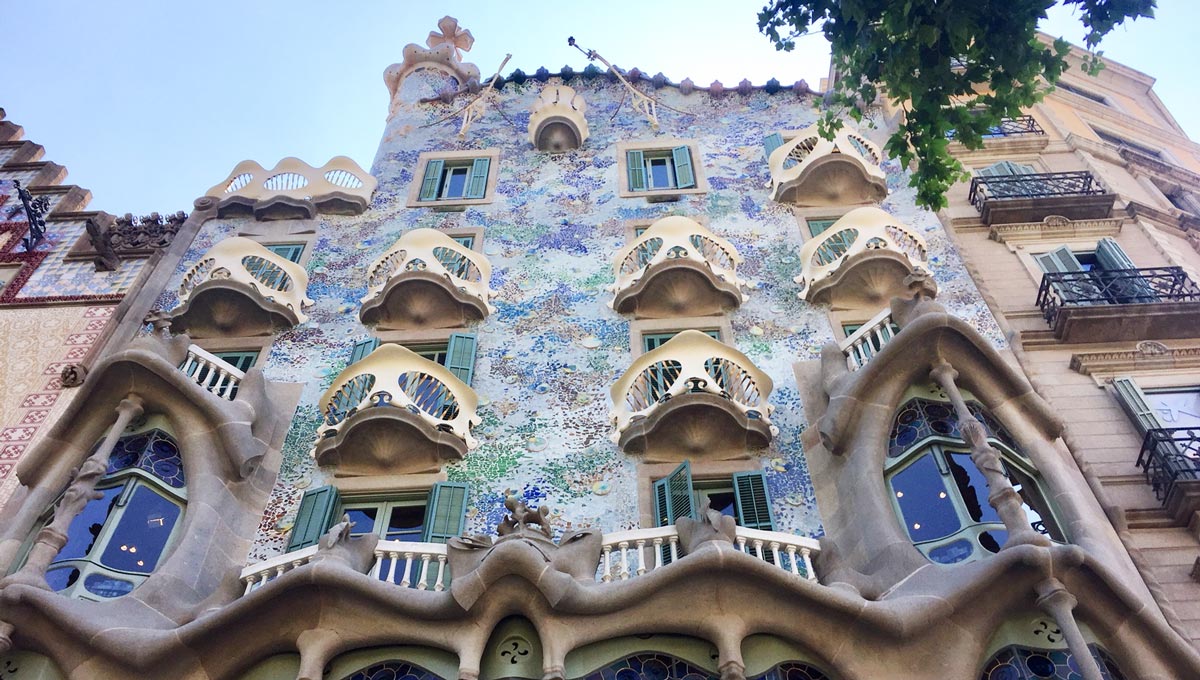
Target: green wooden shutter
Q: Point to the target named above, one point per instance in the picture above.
(477, 183)
(673, 496)
(1133, 401)
(685, 177)
(1123, 288)
(753, 503)
(818, 227)
(432, 181)
(317, 510)
(635, 163)
(243, 361)
(770, 143)
(290, 251)
(1059, 260)
(362, 348)
(446, 512)
(460, 356)
(466, 241)
(1111, 256)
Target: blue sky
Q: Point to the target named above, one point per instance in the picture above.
(150, 103)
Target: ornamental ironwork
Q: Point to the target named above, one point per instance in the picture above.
(1113, 287)
(1009, 127)
(1168, 455)
(1034, 185)
(35, 209)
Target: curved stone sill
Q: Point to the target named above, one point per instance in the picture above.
(678, 288)
(421, 299)
(387, 440)
(696, 426)
(219, 307)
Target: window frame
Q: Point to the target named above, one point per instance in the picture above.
(664, 148)
(640, 328)
(454, 159)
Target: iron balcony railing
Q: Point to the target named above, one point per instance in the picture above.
(1169, 455)
(1036, 185)
(1113, 287)
(1009, 127)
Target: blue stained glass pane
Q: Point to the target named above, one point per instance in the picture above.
(972, 487)
(921, 418)
(925, 506)
(82, 533)
(649, 666)
(107, 586)
(62, 578)
(793, 670)
(1025, 663)
(393, 670)
(140, 537)
(952, 552)
(155, 452)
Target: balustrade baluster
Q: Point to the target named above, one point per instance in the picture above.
(378, 565)
(791, 551)
(439, 584)
(658, 555)
(250, 583)
(606, 577)
(674, 543)
(808, 567)
(641, 553)
(392, 557)
(424, 572)
(775, 554)
(758, 550)
(405, 580)
(624, 547)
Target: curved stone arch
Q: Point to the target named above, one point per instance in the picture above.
(764, 653)
(1033, 631)
(587, 660)
(428, 663)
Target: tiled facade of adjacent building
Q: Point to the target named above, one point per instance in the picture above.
(597, 375)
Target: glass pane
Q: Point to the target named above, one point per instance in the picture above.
(62, 578)
(972, 487)
(721, 500)
(817, 227)
(86, 526)
(925, 507)
(107, 586)
(456, 183)
(1034, 505)
(363, 520)
(142, 533)
(406, 523)
(660, 173)
(1176, 408)
(993, 540)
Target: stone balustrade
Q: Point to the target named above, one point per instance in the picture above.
(868, 340)
(296, 189)
(211, 372)
(861, 235)
(240, 260)
(394, 376)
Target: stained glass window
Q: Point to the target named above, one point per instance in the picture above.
(792, 670)
(393, 670)
(919, 419)
(650, 666)
(154, 452)
(1026, 663)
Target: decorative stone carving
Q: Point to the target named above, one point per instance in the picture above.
(444, 54)
(140, 235)
(1152, 348)
(356, 552)
(861, 260)
(711, 527)
(294, 189)
(810, 170)
(522, 518)
(106, 259)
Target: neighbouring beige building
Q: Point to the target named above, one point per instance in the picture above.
(599, 375)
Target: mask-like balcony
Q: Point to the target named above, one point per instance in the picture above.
(239, 288)
(395, 412)
(294, 189)
(677, 268)
(692, 398)
(427, 280)
(1111, 305)
(810, 170)
(557, 123)
(865, 255)
(1023, 198)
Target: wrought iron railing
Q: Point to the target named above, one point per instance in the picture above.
(1036, 185)
(1009, 127)
(1113, 287)
(1168, 455)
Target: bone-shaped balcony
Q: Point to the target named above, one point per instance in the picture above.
(677, 268)
(692, 398)
(865, 256)
(427, 280)
(239, 288)
(294, 189)
(810, 170)
(395, 412)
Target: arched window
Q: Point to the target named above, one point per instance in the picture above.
(393, 670)
(793, 670)
(1017, 662)
(119, 538)
(654, 665)
(940, 495)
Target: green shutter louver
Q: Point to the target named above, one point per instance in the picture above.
(313, 519)
(753, 503)
(635, 162)
(432, 181)
(685, 177)
(446, 512)
(1125, 287)
(770, 143)
(673, 496)
(1133, 401)
(289, 251)
(1059, 260)
(362, 348)
(478, 181)
(460, 356)
(1111, 256)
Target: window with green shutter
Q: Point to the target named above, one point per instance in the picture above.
(673, 496)
(455, 179)
(660, 169)
(816, 227)
(770, 143)
(753, 503)
(446, 512)
(362, 348)
(290, 251)
(460, 356)
(318, 508)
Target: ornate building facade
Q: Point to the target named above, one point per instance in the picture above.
(597, 375)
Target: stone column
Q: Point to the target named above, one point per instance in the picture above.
(1055, 600)
(1001, 494)
(51, 539)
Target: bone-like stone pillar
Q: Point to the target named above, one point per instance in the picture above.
(1001, 494)
(1055, 600)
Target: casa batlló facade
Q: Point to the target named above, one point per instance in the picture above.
(597, 375)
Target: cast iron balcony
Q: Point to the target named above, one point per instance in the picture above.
(812, 170)
(866, 254)
(1094, 306)
(693, 397)
(677, 268)
(395, 412)
(1011, 127)
(1168, 456)
(1008, 199)
(427, 280)
(239, 288)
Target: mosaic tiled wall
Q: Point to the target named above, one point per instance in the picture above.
(551, 351)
